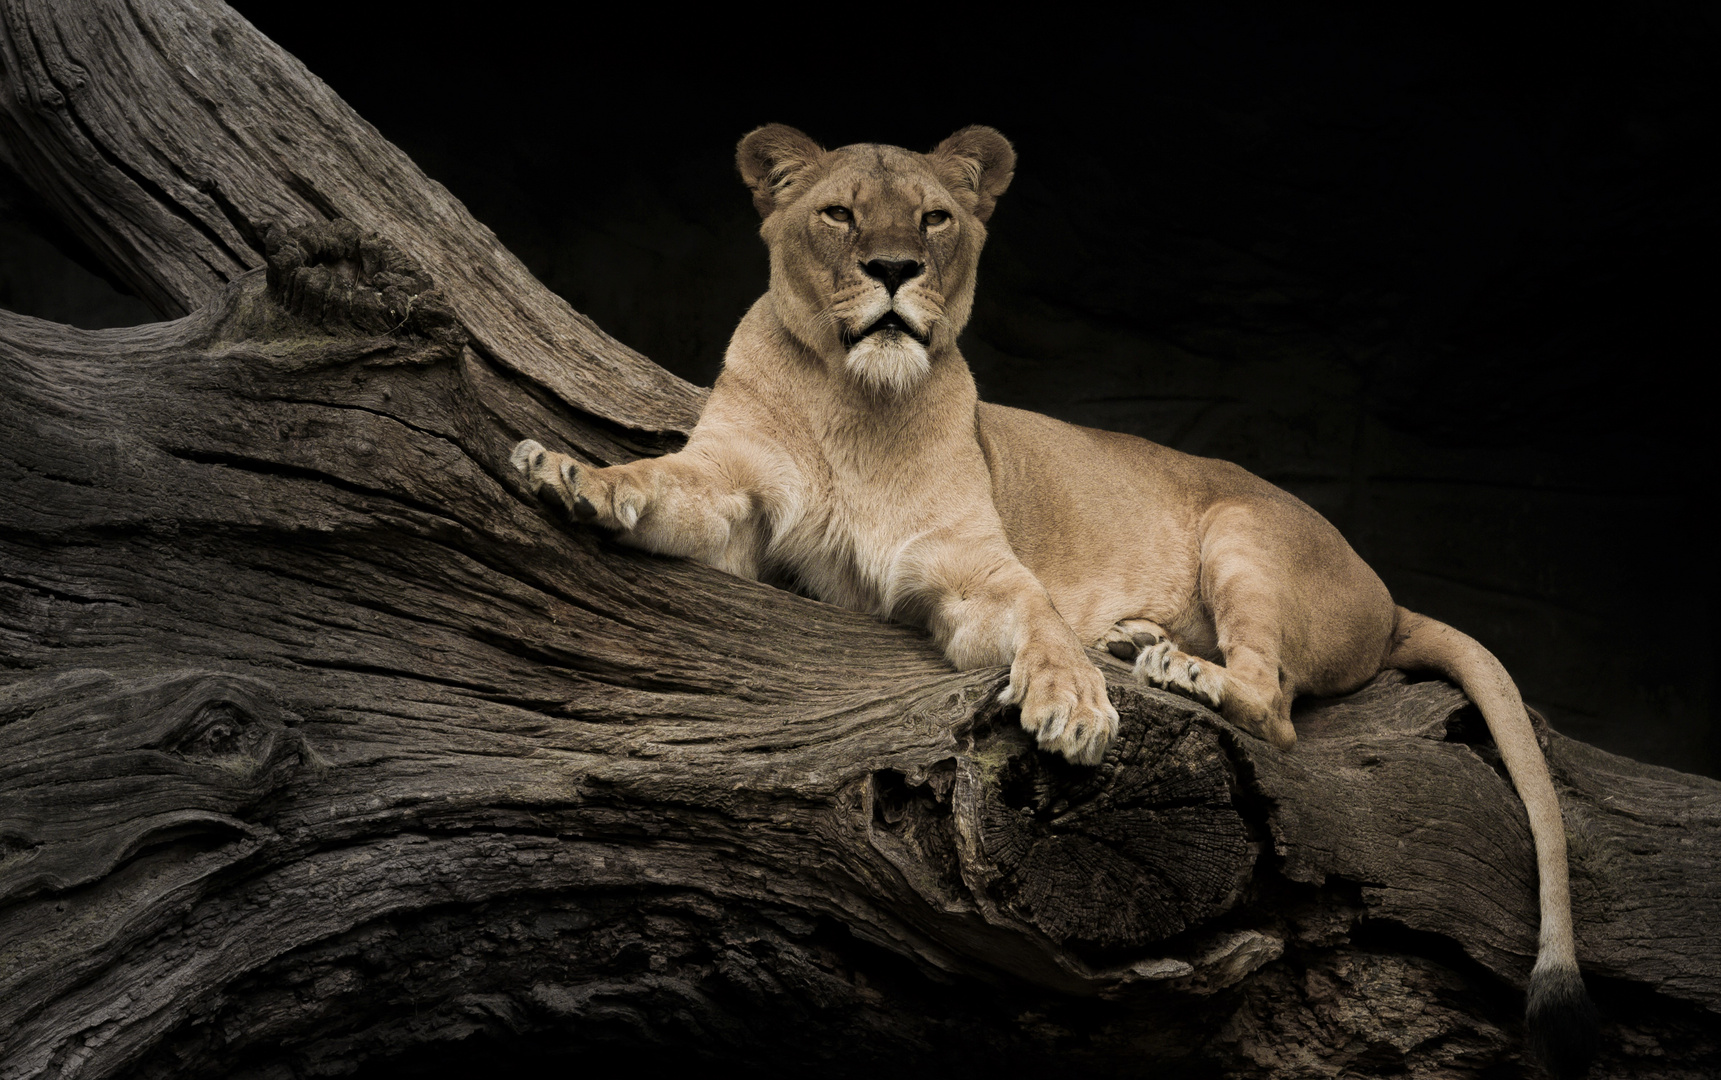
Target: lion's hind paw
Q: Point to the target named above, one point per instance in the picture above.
(1166, 667)
(1127, 638)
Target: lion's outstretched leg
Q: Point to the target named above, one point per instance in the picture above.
(680, 504)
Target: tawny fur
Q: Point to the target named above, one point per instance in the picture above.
(861, 467)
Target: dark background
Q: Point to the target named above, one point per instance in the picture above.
(1446, 277)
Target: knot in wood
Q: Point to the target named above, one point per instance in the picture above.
(341, 279)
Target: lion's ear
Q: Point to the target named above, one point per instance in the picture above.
(976, 164)
(770, 158)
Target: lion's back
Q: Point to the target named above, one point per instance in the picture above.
(1116, 526)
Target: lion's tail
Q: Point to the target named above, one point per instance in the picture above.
(1561, 1018)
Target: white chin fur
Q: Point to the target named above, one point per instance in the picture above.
(889, 363)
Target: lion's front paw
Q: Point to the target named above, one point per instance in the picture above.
(555, 476)
(1169, 669)
(1064, 704)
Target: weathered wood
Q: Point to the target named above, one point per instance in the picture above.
(168, 137)
(321, 744)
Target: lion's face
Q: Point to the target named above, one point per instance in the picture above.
(873, 248)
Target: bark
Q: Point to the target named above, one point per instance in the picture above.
(321, 744)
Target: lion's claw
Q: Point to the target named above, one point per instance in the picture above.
(1064, 706)
(1167, 668)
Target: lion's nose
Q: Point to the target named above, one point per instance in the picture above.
(893, 272)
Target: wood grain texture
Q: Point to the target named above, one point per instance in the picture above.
(176, 197)
(322, 744)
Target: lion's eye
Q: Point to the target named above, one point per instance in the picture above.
(839, 214)
(934, 218)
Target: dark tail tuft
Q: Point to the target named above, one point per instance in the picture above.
(1563, 1021)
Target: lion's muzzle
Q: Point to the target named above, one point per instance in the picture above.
(891, 320)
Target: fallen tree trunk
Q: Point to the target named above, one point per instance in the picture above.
(321, 744)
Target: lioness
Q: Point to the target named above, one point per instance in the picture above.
(843, 448)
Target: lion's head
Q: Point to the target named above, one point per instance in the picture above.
(873, 248)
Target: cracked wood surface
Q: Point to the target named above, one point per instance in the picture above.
(321, 744)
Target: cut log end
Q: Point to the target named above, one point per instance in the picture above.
(1136, 851)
